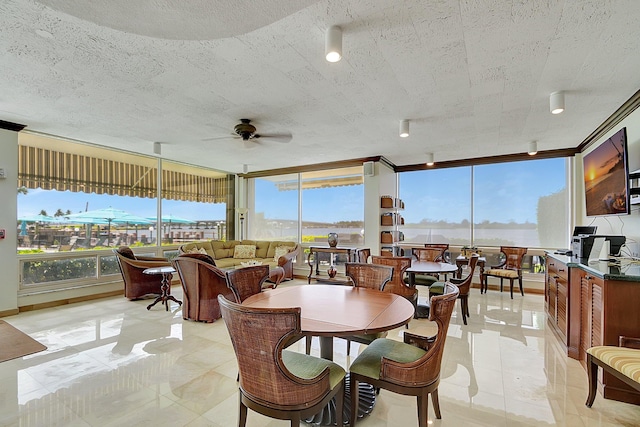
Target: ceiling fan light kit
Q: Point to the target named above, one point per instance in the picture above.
(333, 44)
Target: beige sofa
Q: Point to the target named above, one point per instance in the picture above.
(223, 253)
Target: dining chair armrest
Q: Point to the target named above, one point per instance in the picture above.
(418, 340)
(630, 342)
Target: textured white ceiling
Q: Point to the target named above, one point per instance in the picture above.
(473, 76)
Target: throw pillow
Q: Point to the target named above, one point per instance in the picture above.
(280, 251)
(244, 251)
(195, 250)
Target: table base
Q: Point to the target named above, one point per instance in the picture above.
(165, 301)
(367, 400)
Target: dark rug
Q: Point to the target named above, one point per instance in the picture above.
(14, 343)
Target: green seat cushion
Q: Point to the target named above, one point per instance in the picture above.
(305, 366)
(437, 288)
(423, 280)
(369, 361)
(622, 359)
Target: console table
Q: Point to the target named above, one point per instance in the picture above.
(314, 261)
(593, 304)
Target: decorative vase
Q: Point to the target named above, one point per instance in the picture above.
(332, 238)
(332, 272)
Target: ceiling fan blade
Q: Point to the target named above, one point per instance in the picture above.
(250, 143)
(283, 137)
(230, 136)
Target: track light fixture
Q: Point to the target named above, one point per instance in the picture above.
(333, 44)
(404, 128)
(429, 159)
(533, 148)
(556, 102)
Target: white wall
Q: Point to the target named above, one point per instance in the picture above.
(8, 221)
(382, 183)
(627, 225)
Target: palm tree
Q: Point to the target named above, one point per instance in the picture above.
(58, 213)
(43, 212)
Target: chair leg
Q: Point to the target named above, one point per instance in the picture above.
(348, 347)
(353, 390)
(511, 287)
(242, 416)
(423, 409)
(295, 419)
(592, 373)
(436, 403)
(520, 282)
(307, 344)
(340, 405)
(501, 284)
(463, 310)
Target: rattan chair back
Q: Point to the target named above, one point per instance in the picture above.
(247, 281)
(372, 276)
(397, 285)
(258, 336)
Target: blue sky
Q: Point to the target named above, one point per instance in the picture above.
(504, 192)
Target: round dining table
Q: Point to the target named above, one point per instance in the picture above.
(329, 311)
(427, 267)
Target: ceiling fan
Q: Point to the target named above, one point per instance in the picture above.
(247, 132)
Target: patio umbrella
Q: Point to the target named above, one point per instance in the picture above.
(172, 219)
(38, 219)
(109, 215)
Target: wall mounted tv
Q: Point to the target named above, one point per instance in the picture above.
(606, 177)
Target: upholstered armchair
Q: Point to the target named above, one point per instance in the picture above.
(202, 282)
(510, 268)
(136, 283)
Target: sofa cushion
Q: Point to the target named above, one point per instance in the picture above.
(262, 247)
(280, 251)
(271, 253)
(244, 251)
(201, 256)
(223, 249)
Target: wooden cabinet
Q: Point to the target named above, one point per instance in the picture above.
(601, 310)
(557, 297)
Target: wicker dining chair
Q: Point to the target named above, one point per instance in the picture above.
(371, 276)
(362, 255)
(464, 288)
(411, 367)
(275, 382)
(247, 281)
(363, 275)
(434, 253)
(510, 268)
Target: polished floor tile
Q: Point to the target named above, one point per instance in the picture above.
(111, 362)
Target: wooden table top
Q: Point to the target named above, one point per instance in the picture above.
(335, 310)
(431, 267)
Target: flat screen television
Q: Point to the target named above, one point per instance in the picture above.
(606, 177)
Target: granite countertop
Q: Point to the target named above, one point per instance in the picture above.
(621, 269)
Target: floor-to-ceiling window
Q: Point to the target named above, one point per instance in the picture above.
(517, 203)
(276, 208)
(77, 201)
(437, 205)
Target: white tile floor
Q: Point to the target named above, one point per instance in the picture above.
(111, 362)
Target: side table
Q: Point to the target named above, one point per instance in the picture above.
(314, 261)
(167, 274)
